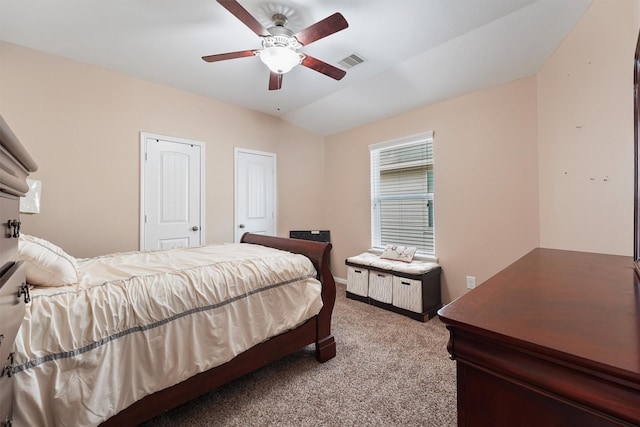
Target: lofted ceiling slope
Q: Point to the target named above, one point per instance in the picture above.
(416, 52)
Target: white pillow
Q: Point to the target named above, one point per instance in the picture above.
(46, 263)
(398, 253)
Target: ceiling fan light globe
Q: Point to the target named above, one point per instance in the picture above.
(280, 59)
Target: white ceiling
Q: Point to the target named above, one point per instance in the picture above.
(417, 51)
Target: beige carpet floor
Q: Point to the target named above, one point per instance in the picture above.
(389, 371)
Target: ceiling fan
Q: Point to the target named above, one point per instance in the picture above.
(280, 44)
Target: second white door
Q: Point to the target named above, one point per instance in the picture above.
(255, 195)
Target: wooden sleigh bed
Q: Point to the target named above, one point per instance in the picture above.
(135, 334)
(286, 287)
(316, 330)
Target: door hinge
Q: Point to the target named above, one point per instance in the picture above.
(145, 218)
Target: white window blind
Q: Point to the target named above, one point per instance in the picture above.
(402, 193)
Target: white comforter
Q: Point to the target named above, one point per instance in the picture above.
(139, 322)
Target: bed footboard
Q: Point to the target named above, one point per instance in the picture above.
(316, 330)
(318, 253)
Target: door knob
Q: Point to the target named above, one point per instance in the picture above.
(241, 226)
(195, 228)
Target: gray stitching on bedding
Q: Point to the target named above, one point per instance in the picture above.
(66, 258)
(89, 347)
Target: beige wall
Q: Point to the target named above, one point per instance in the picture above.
(486, 203)
(514, 163)
(585, 129)
(82, 125)
(559, 143)
(300, 177)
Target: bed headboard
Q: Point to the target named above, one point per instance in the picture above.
(15, 162)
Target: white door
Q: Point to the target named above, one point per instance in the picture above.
(255, 194)
(172, 197)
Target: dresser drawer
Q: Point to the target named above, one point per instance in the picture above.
(6, 399)
(12, 308)
(9, 211)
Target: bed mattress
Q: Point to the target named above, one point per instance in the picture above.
(139, 322)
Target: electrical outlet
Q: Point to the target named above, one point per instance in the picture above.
(471, 282)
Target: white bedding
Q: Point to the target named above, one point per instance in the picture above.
(139, 322)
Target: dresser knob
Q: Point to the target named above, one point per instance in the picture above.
(24, 290)
(14, 228)
(8, 369)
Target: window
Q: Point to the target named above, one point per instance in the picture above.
(402, 193)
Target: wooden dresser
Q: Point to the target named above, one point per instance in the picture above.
(15, 165)
(552, 340)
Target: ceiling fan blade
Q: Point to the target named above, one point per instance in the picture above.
(323, 67)
(229, 55)
(275, 81)
(321, 29)
(245, 17)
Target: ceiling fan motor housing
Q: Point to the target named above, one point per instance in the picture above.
(279, 20)
(281, 41)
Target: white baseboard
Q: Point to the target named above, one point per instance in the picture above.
(340, 280)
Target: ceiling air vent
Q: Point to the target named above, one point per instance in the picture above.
(351, 61)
